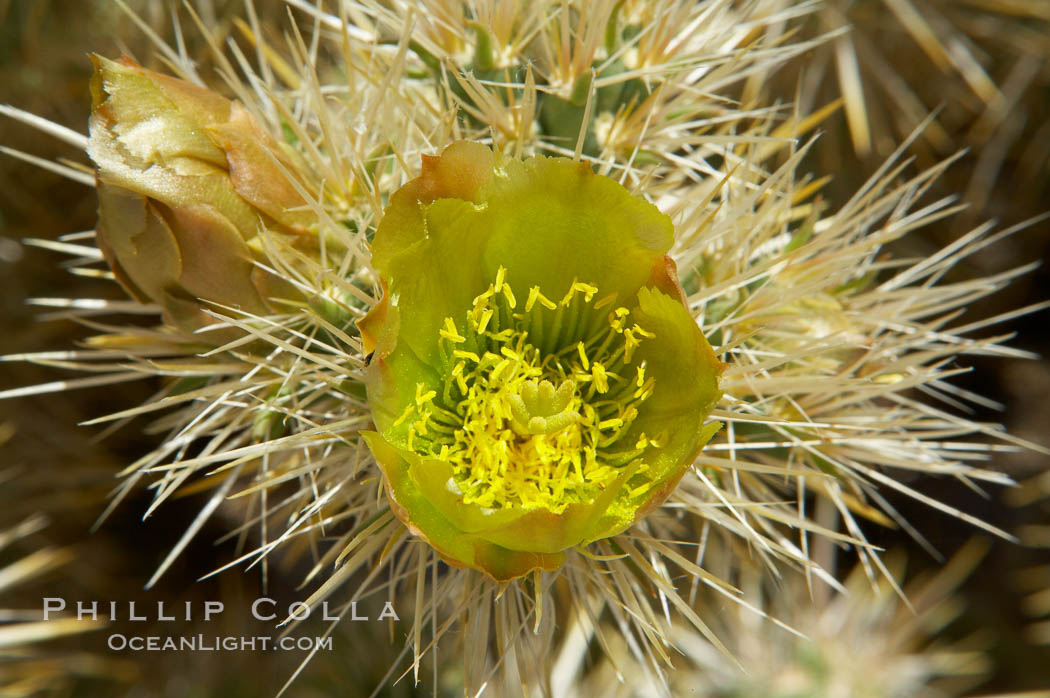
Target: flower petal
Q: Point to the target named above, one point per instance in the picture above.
(455, 546)
(685, 376)
(554, 221)
(547, 221)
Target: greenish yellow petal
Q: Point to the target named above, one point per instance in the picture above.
(438, 276)
(458, 173)
(457, 547)
(554, 221)
(685, 375)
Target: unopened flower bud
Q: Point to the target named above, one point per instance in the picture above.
(186, 180)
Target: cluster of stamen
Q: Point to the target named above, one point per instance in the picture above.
(537, 399)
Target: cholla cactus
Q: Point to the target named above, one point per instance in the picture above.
(1034, 494)
(275, 391)
(979, 67)
(27, 666)
(864, 643)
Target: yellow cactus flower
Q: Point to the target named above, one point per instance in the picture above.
(537, 382)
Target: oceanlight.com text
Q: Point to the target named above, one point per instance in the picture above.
(215, 643)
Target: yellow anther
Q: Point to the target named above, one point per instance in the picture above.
(482, 299)
(423, 397)
(450, 332)
(640, 489)
(632, 340)
(499, 369)
(404, 415)
(481, 304)
(501, 275)
(486, 315)
(583, 357)
(601, 380)
(503, 335)
(616, 318)
(612, 423)
(630, 344)
(509, 353)
(509, 295)
(567, 298)
(535, 296)
(461, 354)
(588, 291)
(640, 371)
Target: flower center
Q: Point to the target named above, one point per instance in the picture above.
(537, 402)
